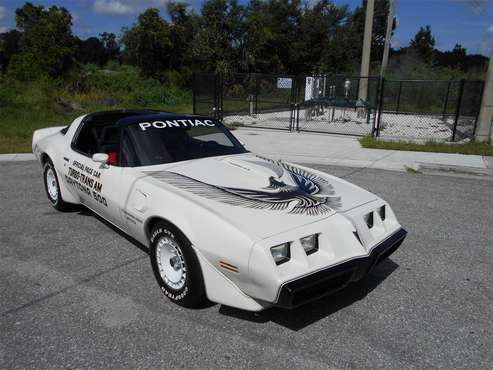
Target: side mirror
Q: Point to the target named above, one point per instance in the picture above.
(100, 158)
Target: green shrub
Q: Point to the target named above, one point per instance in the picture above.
(25, 67)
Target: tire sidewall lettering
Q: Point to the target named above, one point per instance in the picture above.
(175, 295)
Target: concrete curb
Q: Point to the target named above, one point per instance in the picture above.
(427, 167)
(17, 157)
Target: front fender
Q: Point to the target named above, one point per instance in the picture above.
(220, 289)
(225, 246)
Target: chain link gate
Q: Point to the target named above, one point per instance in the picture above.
(206, 95)
(330, 104)
(258, 100)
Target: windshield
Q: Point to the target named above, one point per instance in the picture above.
(178, 140)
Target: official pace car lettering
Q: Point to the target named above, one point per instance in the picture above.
(311, 195)
(87, 180)
(176, 123)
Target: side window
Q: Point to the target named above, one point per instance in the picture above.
(128, 155)
(85, 141)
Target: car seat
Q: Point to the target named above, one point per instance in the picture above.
(109, 143)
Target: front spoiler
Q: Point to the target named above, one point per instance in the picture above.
(324, 282)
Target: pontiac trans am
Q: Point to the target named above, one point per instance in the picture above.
(220, 222)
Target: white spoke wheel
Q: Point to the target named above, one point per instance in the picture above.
(175, 266)
(171, 263)
(52, 187)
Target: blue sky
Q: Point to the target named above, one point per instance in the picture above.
(467, 22)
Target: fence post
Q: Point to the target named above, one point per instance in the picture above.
(399, 98)
(376, 125)
(218, 101)
(481, 91)
(216, 95)
(295, 89)
(194, 87)
(256, 95)
(457, 109)
(298, 117)
(446, 100)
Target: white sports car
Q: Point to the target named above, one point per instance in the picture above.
(221, 223)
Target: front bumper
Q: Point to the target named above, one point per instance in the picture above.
(327, 281)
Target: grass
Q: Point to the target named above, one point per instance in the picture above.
(28, 106)
(430, 146)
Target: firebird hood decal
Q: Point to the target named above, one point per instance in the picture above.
(308, 193)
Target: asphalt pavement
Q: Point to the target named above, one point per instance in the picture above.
(74, 293)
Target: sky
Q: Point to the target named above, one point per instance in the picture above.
(466, 22)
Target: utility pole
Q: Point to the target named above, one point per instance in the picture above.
(365, 57)
(485, 119)
(388, 35)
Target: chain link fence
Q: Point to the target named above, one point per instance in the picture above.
(417, 110)
(425, 110)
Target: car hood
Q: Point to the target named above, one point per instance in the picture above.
(257, 194)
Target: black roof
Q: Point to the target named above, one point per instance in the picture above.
(124, 117)
(159, 116)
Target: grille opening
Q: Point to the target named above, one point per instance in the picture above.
(322, 288)
(369, 220)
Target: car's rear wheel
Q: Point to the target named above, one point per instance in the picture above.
(176, 267)
(52, 187)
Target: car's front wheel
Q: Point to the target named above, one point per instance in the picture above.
(52, 187)
(176, 267)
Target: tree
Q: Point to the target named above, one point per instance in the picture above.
(219, 42)
(423, 43)
(148, 44)
(320, 26)
(47, 36)
(273, 36)
(9, 45)
(91, 50)
(110, 45)
(184, 26)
